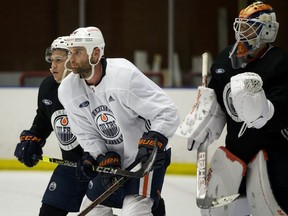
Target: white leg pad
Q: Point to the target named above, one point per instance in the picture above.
(98, 210)
(259, 194)
(238, 207)
(225, 173)
(224, 178)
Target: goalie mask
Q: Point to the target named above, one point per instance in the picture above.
(58, 44)
(255, 26)
(89, 38)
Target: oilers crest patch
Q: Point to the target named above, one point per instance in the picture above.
(52, 186)
(227, 99)
(106, 124)
(60, 122)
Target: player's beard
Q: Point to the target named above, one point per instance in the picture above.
(83, 69)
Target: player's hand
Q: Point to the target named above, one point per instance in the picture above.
(29, 145)
(84, 170)
(146, 145)
(113, 160)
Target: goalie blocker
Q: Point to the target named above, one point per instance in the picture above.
(206, 121)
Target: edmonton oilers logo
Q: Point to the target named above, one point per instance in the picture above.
(227, 99)
(52, 186)
(107, 125)
(63, 131)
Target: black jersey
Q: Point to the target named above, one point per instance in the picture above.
(273, 69)
(52, 116)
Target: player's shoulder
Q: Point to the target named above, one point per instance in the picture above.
(120, 63)
(48, 83)
(68, 81)
(278, 53)
(223, 56)
(69, 86)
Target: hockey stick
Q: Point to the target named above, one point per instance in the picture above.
(109, 170)
(202, 199)
(147, 166)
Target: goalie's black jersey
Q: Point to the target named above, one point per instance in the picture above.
(273, 69)
(52, 116)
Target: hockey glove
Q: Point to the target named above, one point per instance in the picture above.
(29, 146)
(206, 121)
(249, 99)
(84, 170)
(146, 145)
(113, 160)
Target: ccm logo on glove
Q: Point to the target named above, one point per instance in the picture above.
(29, 137)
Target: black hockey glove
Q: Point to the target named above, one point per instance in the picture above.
(111, 159)
(84, 170)
(145, 147)
(29, 145)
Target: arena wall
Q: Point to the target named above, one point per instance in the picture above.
(18, 108)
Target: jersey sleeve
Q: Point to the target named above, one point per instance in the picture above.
(150, 102)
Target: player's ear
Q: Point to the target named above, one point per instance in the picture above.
(95, 54)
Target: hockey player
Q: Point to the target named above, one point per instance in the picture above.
(64, 192)
(250, 83)
(118, 115)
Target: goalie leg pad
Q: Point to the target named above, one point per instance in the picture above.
(225, 174)
(259, 193)
(238, 207)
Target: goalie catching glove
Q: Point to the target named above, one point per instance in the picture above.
(249, 99)
(29, 145)
(146, 145)
(206, 121)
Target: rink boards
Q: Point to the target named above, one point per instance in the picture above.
(18, 108)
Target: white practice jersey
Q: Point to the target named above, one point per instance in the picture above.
(113, 115)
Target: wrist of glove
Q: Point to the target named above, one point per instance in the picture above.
(113, 160)
(249, 99)
(85, 168)
(146, 145)
(29, 145)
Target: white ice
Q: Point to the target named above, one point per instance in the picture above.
(21, 193)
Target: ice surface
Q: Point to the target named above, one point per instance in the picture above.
(21, 193)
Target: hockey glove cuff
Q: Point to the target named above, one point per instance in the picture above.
(146, 145)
